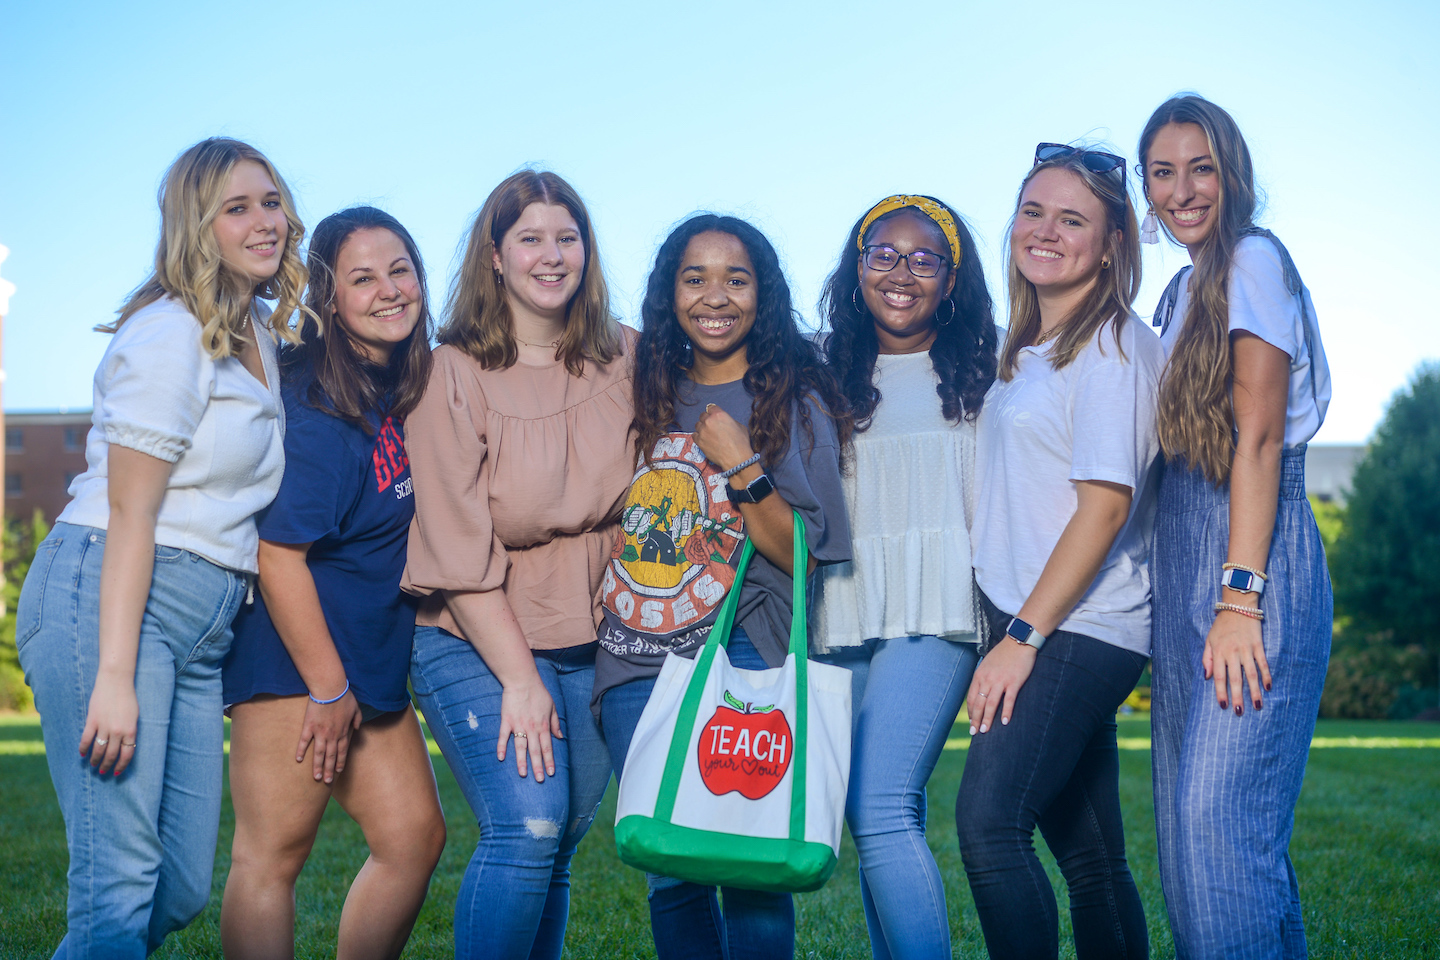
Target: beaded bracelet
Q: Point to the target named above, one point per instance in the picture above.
(1239, 566)
(727, 474)
(333, 699)
(1254, 613)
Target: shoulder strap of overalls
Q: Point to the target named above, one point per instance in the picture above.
(1166, 307)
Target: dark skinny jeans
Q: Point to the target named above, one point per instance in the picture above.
(1055, 766)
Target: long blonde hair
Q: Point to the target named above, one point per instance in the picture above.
(188, 264)
(1196, 418)
(477, 313)
(1115, 289)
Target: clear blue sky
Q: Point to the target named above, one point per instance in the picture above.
(798, 116)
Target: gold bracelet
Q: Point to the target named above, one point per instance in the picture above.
(1254, 613)
(1239, 566)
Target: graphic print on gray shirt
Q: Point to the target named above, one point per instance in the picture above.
(681, 538)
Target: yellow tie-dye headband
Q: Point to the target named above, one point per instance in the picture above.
(925, 205)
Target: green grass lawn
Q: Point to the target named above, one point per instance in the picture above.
(1367, 850)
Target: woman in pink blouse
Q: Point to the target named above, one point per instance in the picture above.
(521, 456)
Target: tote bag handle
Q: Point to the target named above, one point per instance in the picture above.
(720, 634)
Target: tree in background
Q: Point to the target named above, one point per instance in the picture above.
(21, 537)
(1386, 562)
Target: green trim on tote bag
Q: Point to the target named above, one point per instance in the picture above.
(726, 859)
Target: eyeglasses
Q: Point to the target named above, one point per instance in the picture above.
(920, 263)
(1095, 161)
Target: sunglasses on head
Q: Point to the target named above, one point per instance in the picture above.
(1095, 161)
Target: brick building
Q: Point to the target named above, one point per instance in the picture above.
(44, 451)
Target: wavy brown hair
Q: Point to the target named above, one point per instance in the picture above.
(786, 376)
(963, 353)
(477, 313)
(1196, 418)
(344, 382)
(1114, 291)
(188, 264)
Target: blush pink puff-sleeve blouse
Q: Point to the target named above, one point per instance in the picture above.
(519, 475)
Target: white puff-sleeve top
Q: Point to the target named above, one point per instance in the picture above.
(910, 495)
(158, 391)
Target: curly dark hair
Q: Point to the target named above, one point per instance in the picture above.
(343, 382)
(786, 370)
(964, 349)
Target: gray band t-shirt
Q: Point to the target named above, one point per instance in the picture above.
(680, 539)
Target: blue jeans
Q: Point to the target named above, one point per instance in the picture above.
(1055, 765)
(1226, 786)
(142, 845)
(907, 692)
(685, 918)
(515, 898)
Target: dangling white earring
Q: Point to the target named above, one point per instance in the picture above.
(1150, 229)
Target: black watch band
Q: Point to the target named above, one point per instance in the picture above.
(753, 492)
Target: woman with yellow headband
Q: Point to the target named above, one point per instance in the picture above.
(912, 342)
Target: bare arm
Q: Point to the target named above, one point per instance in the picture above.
(770, 524)
(1234, 649)
(1100, 511)
(526, 708)
(136, 486)
(294, 606)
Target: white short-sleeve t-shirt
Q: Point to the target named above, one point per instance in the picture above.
(1041, 433)
(1261, 304)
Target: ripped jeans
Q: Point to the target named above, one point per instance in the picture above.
(515, 897)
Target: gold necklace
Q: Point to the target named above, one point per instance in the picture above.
(553, 344)
(1055, 331)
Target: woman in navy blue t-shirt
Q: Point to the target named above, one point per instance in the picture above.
(322, 654)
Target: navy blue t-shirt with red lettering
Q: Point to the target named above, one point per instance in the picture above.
(348, 494)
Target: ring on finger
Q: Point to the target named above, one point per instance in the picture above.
(127, 743)
(985, 696)
(101, 741)
(520, 736)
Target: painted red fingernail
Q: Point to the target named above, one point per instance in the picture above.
(1239, 711)
(1223, 704)
(1257, 704)
(1267, 688)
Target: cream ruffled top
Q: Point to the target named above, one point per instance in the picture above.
(910, 493)
(519, 478)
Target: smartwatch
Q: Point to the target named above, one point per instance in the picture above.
(753, 492)
(1022, 633)
(1244, 581)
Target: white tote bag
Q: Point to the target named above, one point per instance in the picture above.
(738, 777)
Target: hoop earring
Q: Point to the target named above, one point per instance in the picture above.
(1105, 264)
(860, 308)
(948, 320)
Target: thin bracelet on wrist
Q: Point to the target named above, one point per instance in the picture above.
(727, 474)
(1254, 613)
(339, 696)
(1241, 566)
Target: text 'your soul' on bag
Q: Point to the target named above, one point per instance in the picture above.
(737, 777)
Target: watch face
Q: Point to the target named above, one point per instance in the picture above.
(1019, 629)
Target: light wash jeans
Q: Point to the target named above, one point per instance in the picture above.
(514, 900)
(1226, 785)
(686, 919)
(142, 845)
(906, 694)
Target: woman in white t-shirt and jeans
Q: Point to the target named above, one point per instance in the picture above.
(124, 618)
(912, 342)
(1242, 596)
(1065, 447)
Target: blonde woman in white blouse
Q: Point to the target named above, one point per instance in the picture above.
(124, 618)
(912, 342)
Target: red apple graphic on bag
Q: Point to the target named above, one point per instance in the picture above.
(745, 748)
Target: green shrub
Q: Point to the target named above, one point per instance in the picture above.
(20, 538)
(1376, 679)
